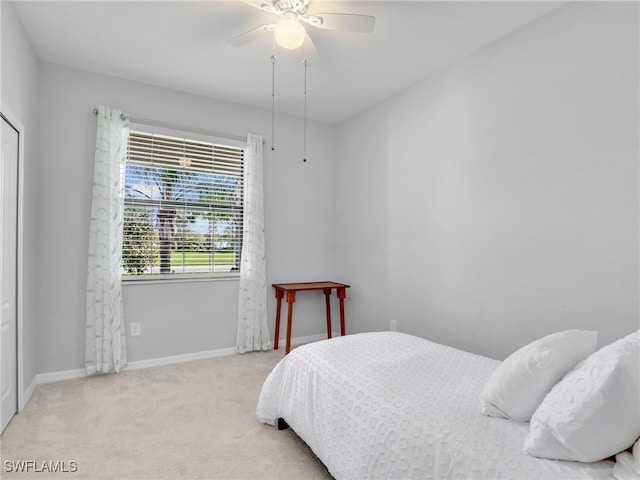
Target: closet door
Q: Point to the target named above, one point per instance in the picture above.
(8, 273)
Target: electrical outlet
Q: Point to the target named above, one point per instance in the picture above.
(135, 329)
(392, 325)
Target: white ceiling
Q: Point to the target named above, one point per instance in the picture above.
(183, 45)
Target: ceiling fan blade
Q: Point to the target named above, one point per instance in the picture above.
(347, 22)
(309, 51)
(266, 5)
(251, 35)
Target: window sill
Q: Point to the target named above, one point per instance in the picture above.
(180, 279)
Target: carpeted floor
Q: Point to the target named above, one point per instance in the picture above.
(191, 420)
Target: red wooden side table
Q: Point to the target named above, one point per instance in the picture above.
(292, 288)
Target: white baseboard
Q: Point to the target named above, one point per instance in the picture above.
(28, 392)
(60, 376)
(188, 357)
(158, 362)
(307, 339)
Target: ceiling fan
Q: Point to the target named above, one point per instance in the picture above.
(290, 31)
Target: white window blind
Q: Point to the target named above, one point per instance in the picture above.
(182, 207)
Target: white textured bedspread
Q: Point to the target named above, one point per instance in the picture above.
(391, 405)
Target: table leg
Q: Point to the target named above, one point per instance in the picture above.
(291, 297)
(279, 295)
(327, 294)
(342, 294)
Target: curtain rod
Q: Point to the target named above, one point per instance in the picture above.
(154, 123)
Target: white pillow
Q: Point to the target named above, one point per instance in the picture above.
(519, 384)
(594, 411)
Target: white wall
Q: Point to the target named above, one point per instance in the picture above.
(176, 318)
(19, 93)
(498, 200)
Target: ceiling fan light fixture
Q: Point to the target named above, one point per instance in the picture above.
(289, 32)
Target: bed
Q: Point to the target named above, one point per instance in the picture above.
(392, 405)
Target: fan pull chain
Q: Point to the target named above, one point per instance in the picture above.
(304, 153)
(273, 99)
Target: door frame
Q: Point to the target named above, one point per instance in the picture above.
(15, 122)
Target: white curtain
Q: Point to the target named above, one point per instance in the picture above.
(253, 331)
(105, 342)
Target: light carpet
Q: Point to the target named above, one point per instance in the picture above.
(192, 420)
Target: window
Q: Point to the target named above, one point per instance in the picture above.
(183, 201)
